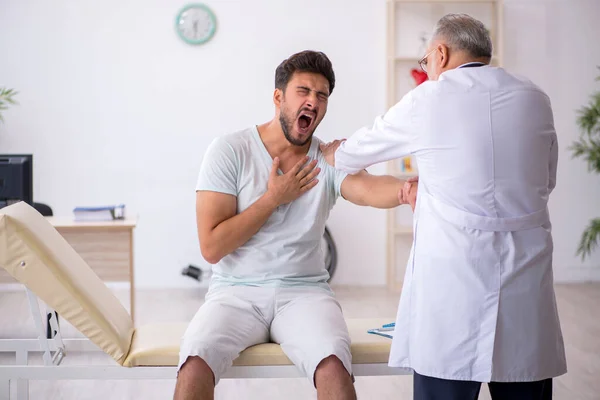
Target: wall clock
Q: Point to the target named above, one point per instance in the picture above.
(196, 24)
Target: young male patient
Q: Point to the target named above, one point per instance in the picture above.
(263, 197)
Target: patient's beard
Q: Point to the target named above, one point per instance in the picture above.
(287, 126)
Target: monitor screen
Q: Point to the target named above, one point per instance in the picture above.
(16, 179)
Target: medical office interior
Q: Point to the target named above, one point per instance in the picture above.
(108, 108)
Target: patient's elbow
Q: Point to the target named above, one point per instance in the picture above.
(210, 254)
(362, 201)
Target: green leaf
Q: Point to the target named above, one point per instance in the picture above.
(6, 97)
(589, 116)
(589, 151)
(589, 239)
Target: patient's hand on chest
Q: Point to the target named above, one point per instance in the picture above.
(294, 182)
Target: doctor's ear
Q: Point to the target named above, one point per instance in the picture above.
(444, 54)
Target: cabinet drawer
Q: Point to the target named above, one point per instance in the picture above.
(107, 252)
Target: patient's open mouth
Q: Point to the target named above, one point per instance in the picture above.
(305, 121)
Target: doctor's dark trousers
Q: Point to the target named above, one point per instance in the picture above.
(428, 388)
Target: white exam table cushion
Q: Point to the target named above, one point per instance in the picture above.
(158, 345)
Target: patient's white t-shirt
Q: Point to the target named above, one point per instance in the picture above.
(286, 251)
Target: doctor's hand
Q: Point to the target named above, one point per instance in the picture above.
(283, 189)
(329, 149)
(408, 193)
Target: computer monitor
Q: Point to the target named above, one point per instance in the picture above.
(16, 179)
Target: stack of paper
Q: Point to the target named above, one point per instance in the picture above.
(386, 330)
(103, 213)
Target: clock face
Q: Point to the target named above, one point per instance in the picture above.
(196, 24)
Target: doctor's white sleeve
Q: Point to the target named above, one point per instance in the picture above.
(392, 136)
(553, 165)
(553, 162)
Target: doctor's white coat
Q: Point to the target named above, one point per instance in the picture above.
(478, 301)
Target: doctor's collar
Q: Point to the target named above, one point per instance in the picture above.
(472, 64)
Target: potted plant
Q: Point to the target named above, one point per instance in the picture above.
(6, 98)
(588, 148)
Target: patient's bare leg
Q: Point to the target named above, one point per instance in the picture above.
(195, 381)
(333, 381)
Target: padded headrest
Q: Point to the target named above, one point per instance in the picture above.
(36, 255)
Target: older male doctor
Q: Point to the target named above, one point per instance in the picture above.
(478, 302)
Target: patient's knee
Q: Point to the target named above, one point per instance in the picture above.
(196, 368)
(330, 368)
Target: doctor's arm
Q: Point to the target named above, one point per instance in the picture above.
(383, 191)
(391, 136)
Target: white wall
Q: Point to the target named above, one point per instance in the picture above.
(115, 108)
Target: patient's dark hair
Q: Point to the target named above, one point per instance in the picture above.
(305, 61)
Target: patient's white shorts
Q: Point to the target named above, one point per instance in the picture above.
(307, 322)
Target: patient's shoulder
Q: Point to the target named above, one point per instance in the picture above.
(238, 139)
(232, 145)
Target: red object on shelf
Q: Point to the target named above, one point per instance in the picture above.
(418, 76)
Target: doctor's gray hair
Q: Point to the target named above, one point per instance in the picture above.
(463, 32)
